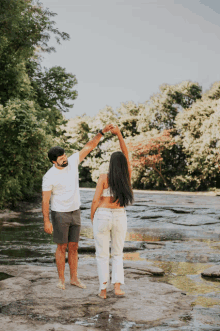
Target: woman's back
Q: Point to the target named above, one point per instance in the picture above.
(106, 200)
(118, 179)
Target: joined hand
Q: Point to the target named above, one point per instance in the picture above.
(107, 128)
(115, 130)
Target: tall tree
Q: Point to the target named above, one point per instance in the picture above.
(23, 28)
(53, 89)
(31, 99)
(23, 155)
(200, 134)
(162, 108)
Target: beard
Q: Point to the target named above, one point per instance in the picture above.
(63, 165)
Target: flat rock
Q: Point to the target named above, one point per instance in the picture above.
(32, 299)
(12, 224)
(141, 268)
(213, 272)
(196, 220)
(87, 246)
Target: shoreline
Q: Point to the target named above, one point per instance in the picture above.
(27, 206)
(204, 193)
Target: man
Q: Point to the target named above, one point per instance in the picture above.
(61, 184)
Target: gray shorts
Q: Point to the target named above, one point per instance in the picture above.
(66, 226)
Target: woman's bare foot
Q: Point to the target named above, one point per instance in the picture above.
(118, 291)
(102, 294)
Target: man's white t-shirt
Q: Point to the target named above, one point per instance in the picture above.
(64, 184)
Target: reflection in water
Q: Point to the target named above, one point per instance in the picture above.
(4, 276)
(182, 268)
(205, 302)
(137, 236)
(87, 232)
(133, 257)
(186, 277)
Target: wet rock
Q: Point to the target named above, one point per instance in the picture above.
(154, 271)
(196, 220)
(213, 272)
(150, 217)
(87, 247)
(8, 214)
(180, 211)
(35, 210)
(12, 224)
(32, 296)
(152, 246)
(159, 243)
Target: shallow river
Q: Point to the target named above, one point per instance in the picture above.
(179, 233)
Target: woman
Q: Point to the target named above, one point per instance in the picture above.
(113, 193)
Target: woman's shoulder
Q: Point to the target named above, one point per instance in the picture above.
(104, 175)
(105, 179)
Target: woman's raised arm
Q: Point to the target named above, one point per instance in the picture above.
(124, 149)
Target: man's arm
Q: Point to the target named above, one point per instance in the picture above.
(93, 143)
(89, 147)
(48, 228)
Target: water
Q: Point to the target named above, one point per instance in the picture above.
(179, 233)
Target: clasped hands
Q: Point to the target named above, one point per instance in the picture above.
(110, 127)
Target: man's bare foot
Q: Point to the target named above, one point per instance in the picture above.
(77, 282)
(61, 284)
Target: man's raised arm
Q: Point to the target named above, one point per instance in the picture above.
(90, 145)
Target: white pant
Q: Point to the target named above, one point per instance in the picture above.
(106, 222)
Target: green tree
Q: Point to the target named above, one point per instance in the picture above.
(213, 93)
(24, 27)
(200, 135)
(23, 156)
(31, 100)
(161, 110)
(52, 89)
(128, 118)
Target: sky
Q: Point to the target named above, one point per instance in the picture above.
(123, 50)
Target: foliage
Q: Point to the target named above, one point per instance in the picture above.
(161, 110)
(52, 89)
(199, 127)
(23, 155)
(182, 144)
(128, 118)
(32, 99)
(24, 27)
(148, 153)
(213, 92)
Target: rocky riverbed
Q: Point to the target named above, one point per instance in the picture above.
(171, 261)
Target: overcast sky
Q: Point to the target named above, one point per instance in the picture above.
(123, 50)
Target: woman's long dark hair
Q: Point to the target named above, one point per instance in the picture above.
(119, 180)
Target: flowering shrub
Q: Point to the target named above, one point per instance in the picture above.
(148, 153)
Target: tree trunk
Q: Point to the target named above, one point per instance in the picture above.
(165, 182)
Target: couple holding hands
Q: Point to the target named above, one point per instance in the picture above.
(108, 215)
